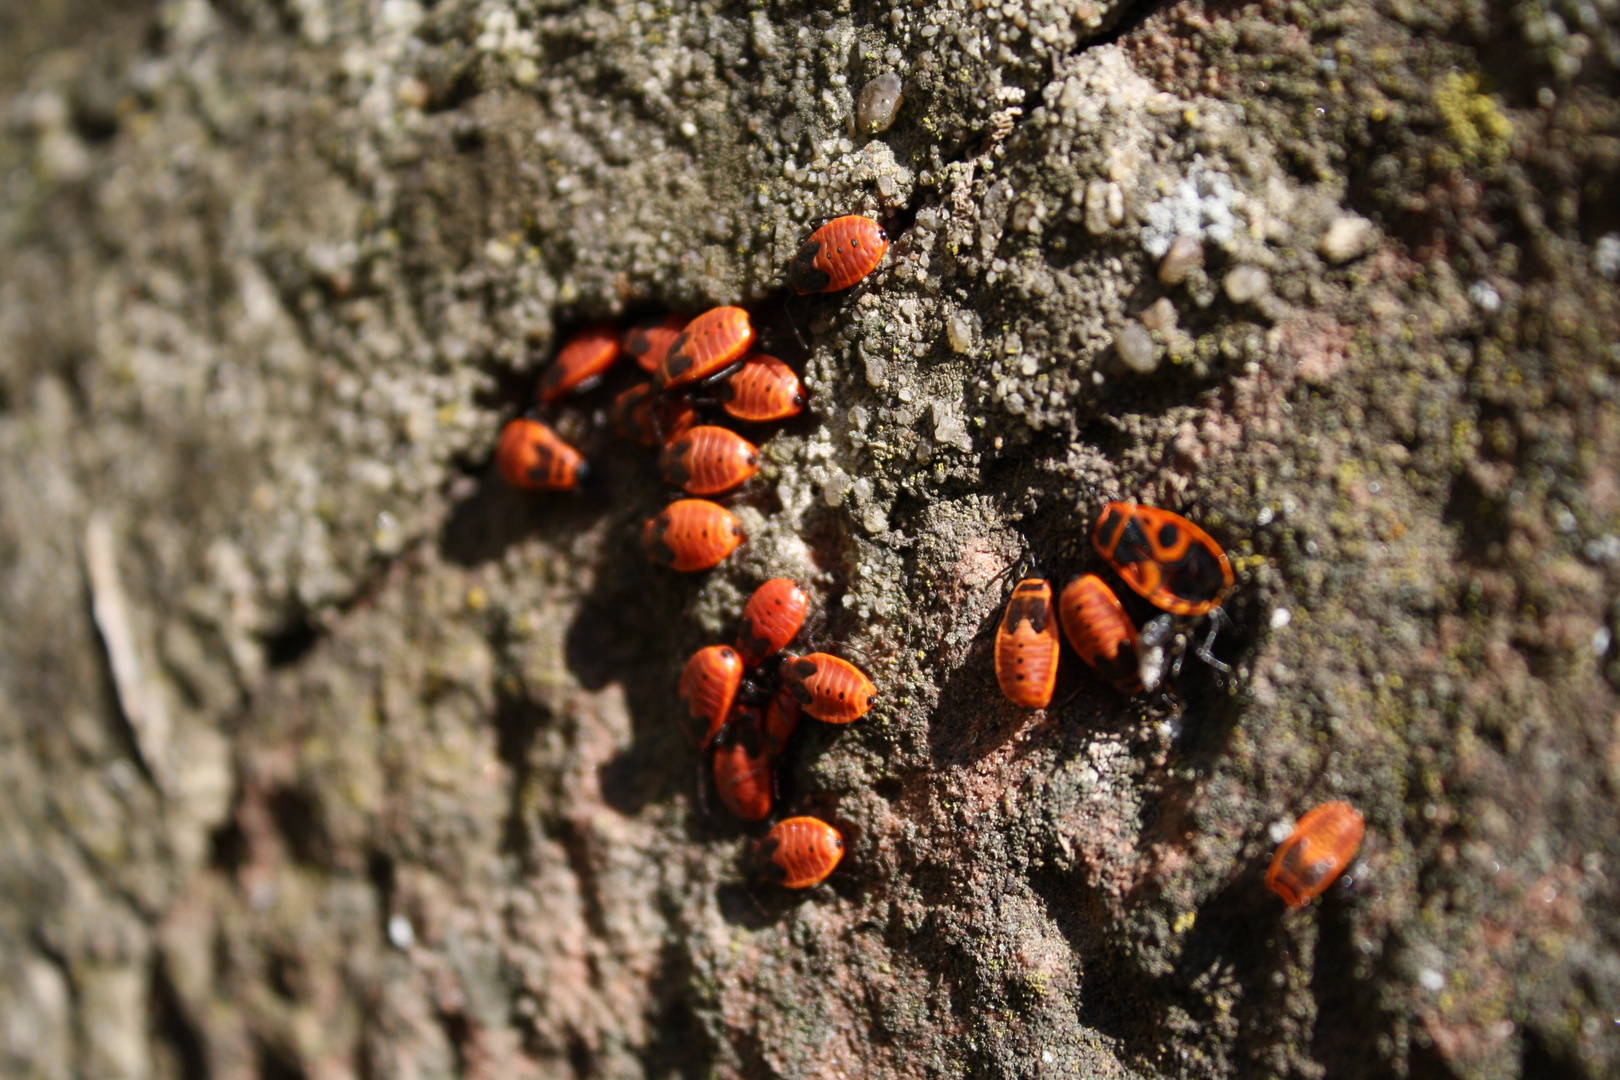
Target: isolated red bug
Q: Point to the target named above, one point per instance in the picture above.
(1315, 853)
(533, 457)
(1102, 633)
(709, 685)
(742, 767)
(1027, 646)
(1167, 559)
(648, 340)
(648, 416)
(762, 390)
(581, 362)
(691, 534)
(830, 689)
(770, 619)
(709, 343)
(799, 852)
(837, 255)
(707, 460)
(781, 721)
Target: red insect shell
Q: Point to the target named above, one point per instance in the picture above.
(691, 534)
(1167, 559)
(837, 255)
(829, 689)
(1027, 646)
(581, 362)
(533, 457)
(742, 767)
(799, 852)
(781, 721)
(647, 342)
(1102, 633)
(709, 686)
(770, 619)
(762, 390)
(1315, 853)
(707, 460)
(644, 414)
(715, 339)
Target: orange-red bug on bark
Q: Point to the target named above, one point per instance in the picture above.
(707, 460)
(709, 686)
(830, 689)
(581, 362)
(762, 390)
(533, 457)
(1170, 561)
(742, 766)
(709, 343)
(1315, 853)
(770, 619)
(648, 416)
(837, 255)
(1102, 633)
(799, 852)
(647, 341)
(691, 534)
(781, 721)
(1027, 646)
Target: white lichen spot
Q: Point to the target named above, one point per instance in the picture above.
(1281, 617)
(1203, 205)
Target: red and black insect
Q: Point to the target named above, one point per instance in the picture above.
(648, 416)
(828, 688)
(762, 390)
(707, 460)
(709, 344)
(837, 255)
(781, 721)
(742, 766)
(533, 457)
(799, 852)
(770, 619)
(1027, 646)
(709, 685)
(1099, 629)
(691, 534)
(648, 340)
(1315, 853)
(1164, 557)
(581, 362)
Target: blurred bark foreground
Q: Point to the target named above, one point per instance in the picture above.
(322, 755)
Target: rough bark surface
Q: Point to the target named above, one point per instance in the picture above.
(323, 755)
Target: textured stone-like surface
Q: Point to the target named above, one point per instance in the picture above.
(323, 755)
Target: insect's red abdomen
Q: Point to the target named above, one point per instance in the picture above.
(707, 460)
(691, 534)
(1027, 646)
(581, 362)
(772, 616)
(1315, 853)
(830, 689)
(837, 255)
(710, 342)
(533, 457)
(800, 852)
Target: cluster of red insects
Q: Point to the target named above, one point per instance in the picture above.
(749, 698)
(1165, 559)
(1178, 568)
(708, 355)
